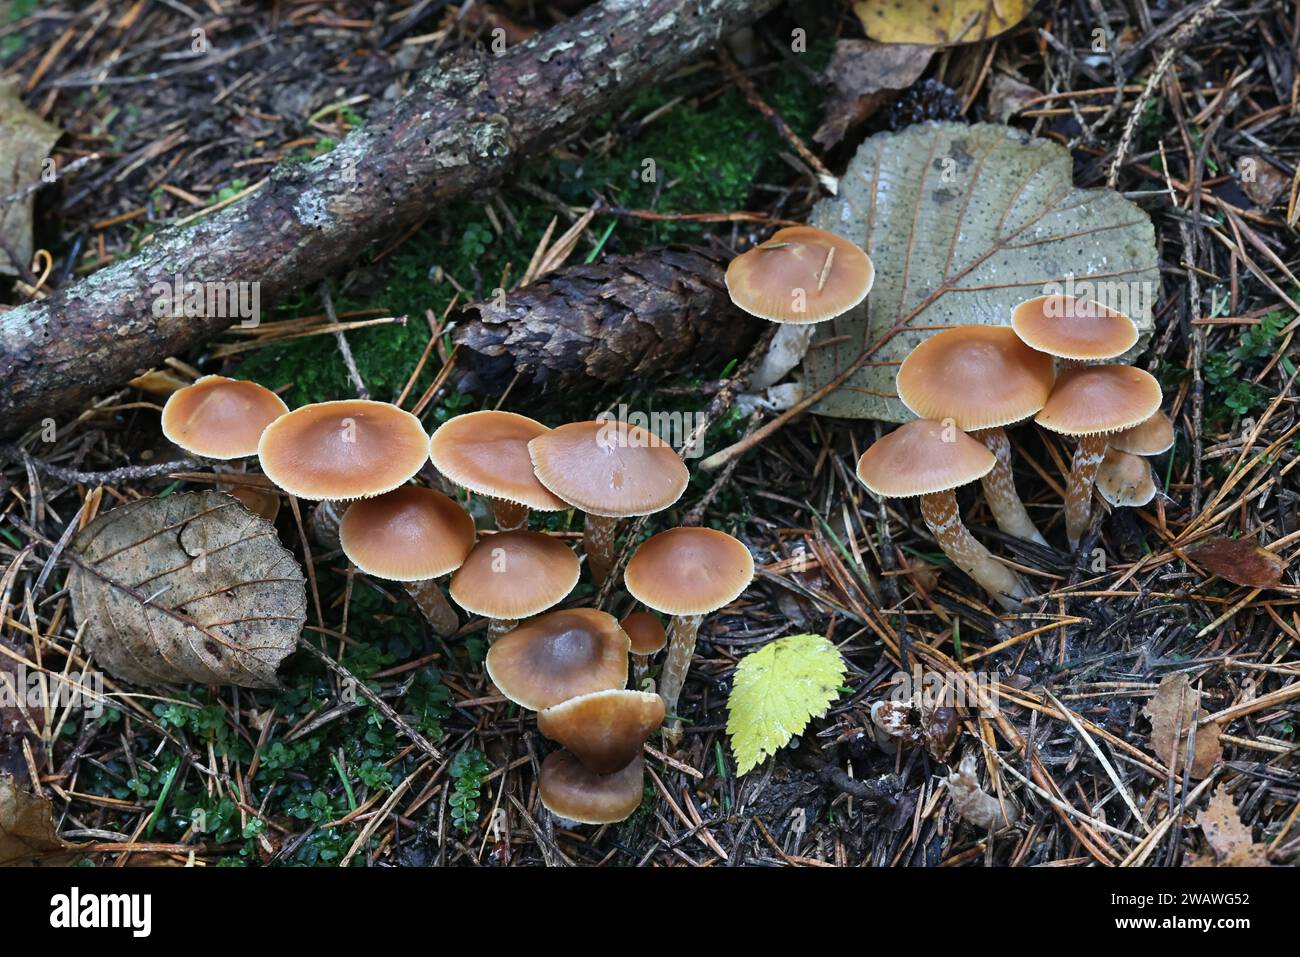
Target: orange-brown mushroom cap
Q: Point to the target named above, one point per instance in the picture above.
(1099, 400)
(559, 655)
(645, 631)
(1152, 437)
(801, 275)
(981, 377)
(922, 457)
(487, 452)
(570, 791)
(1073, 328)
(609, 468)
(515, 574)
(354, 448)
(411, 534)
(604, 729)
(1124, 480)
(220, 418)
(689, 571)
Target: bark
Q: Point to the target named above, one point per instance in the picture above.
(461, 127)
(626, 316)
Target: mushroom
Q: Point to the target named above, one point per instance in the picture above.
(263, 502)
(572, 793)
(1076, 330)
(335, 451)
(604, 729)
(648, 637)
(514, 575)
(411, 535)
(1124, 480)
(559, 655)
(982, 378)
(686, 573)
(487, 452)
(802, 275)
(611, 470)
(1152, 437)
(220, 418)
(1092, 403)
(931, 459)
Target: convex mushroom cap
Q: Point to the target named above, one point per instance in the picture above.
(922, 457)
(487, 452)
(220, 418)
(1099, 400)
(689, 571)
(645, 631)
(801, 275)
(407, 535)
(609, 468)
(1124, 480)
(1070, 328)
(981, 377)
(354, 448)
(558, 656)
(604, 729)
(570, 791)
(515, 574)
(1152, 437)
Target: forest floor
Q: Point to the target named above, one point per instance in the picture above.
(297, 776)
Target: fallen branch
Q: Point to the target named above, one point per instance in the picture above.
(462, 125)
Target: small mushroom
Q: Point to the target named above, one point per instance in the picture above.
(487, 452)
(611, 470)
(932, 459)
(1152, 437)
(801, 275)
(605, 729)
(1124, 480)
(648, 637)
(514, 575)
(1076, 330)
(687, 573)
(559, 655)
(572, 793)
(220, 418)
(1091, 403)
(982, 378)
(414, 536)
(264, 502)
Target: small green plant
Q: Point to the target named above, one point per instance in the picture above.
(468, 769)
(1228, 373)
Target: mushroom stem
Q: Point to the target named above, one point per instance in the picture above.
(433, 605)
(323, 524)
(681, 649)
(499, 626)
(641, 665)
(598, 538)
(509, 515)
(939, 509)
(1088, 455)
(1000, 488)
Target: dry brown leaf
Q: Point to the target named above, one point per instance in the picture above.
(27, 833)
(975, 805)
(1261, 181)
(1230, 840)
(1238, 561)
(863, 75)
(1008, 96)
(190, 587)
(1173, 711)
(941, 22)
(25, 143)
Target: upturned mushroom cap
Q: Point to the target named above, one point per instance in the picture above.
(558, 656)
(1124, 480)
(605, 729)
(1100, 400)
(801, 275)
(570, 791)
(487, 452)
(1152, 437)
(609, 468)
(1074, 328)
(354, 448)
(922, 457)
(408, 535)
(645, 631)
(689, 571)
(981, 377)
(515, 574)
(220, 418)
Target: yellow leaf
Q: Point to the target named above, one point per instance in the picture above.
(776, 690)
(939, 22)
